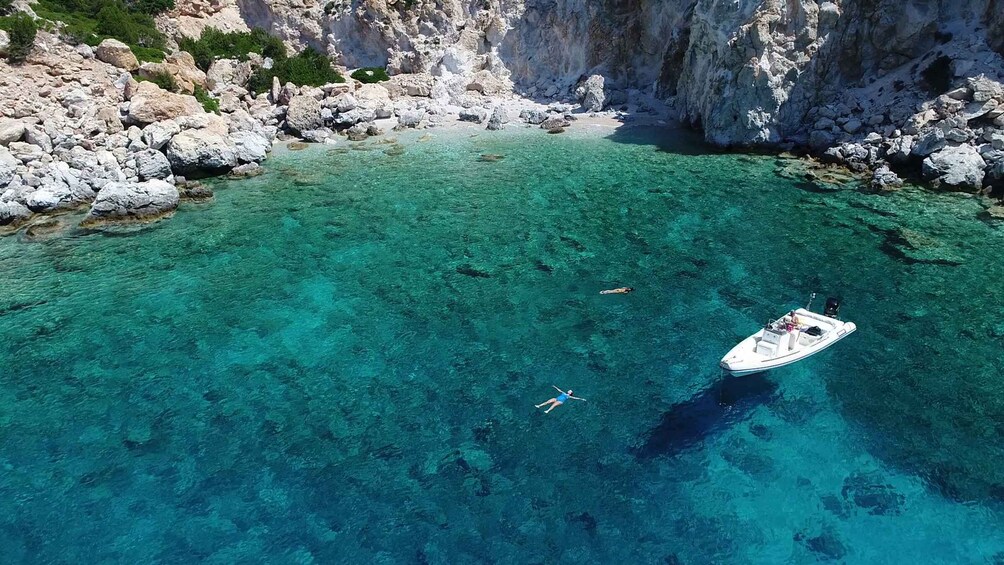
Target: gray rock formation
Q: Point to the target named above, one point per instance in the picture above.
(199, 151)
(126, 201)
(11, 131)
(303, 113)
(957, 167)
(591, 94)
(13, 213)
(152, 164)
(498, 119)
(250, 147)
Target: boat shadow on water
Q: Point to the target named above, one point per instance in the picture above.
(727, 401)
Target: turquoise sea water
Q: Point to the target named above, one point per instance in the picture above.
(337, 362)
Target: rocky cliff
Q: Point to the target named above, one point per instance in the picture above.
(747, 72)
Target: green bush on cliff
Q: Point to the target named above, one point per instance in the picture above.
(369, 75)
(209, 103)
(22, 30)
(214, 44)
(91, 21)
(162, 79)
(308, 68)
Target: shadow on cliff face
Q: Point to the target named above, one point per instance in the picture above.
(727, 401)
(674, 139)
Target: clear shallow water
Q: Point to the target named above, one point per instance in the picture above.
(338, 361)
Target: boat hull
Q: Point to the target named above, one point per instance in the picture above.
(742, 359)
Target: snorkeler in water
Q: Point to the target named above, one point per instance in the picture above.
(558, 400)
(621, 290)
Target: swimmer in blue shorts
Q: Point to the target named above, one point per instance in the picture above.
(558, 400)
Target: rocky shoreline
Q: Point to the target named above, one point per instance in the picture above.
(96, 137)
(99, 124)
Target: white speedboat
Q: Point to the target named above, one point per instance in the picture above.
(787, 340)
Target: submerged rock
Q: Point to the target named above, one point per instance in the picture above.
(871, 492)
(139, 201)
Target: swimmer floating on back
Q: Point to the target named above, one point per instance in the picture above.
(558, 400)
(621, 290)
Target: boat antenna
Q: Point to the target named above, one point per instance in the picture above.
(809, 306)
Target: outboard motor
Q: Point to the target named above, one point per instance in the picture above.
(832, 309)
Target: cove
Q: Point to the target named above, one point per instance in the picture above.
(337, 361)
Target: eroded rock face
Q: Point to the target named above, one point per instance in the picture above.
(132, 201)
(114, 52)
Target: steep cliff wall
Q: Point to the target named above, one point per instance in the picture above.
(746, 71)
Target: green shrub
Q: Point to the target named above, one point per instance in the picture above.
(90, 21)
(369, 75)
(214, 44)
(22, 31)
(151, 54)
(209, 103)
(152, 7)
(162, 79)
(309, 68)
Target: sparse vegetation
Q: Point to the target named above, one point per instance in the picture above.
(369, 75)
(6, 7)
(214, 44)
(209, 103)
(163, 80)
(22, 30)
(91, 21)
(308, 68)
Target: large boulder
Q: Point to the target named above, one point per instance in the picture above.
(900, 149)
(132, 201)
(372, 94)
(303, 113)
(250, 147)
(498, 119)
(114, 52)
(225, 72)
(475, 115)
(8, 168)
(928, 142)
(158, 134)
(591, 94)
(152, 104)
(13, 213)
(152, 164)
(487, 83)
(410, 119)
(885, 179)
(11, 131)
(419, 84)
(180, 66)
(201, 151)
(958, 167)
